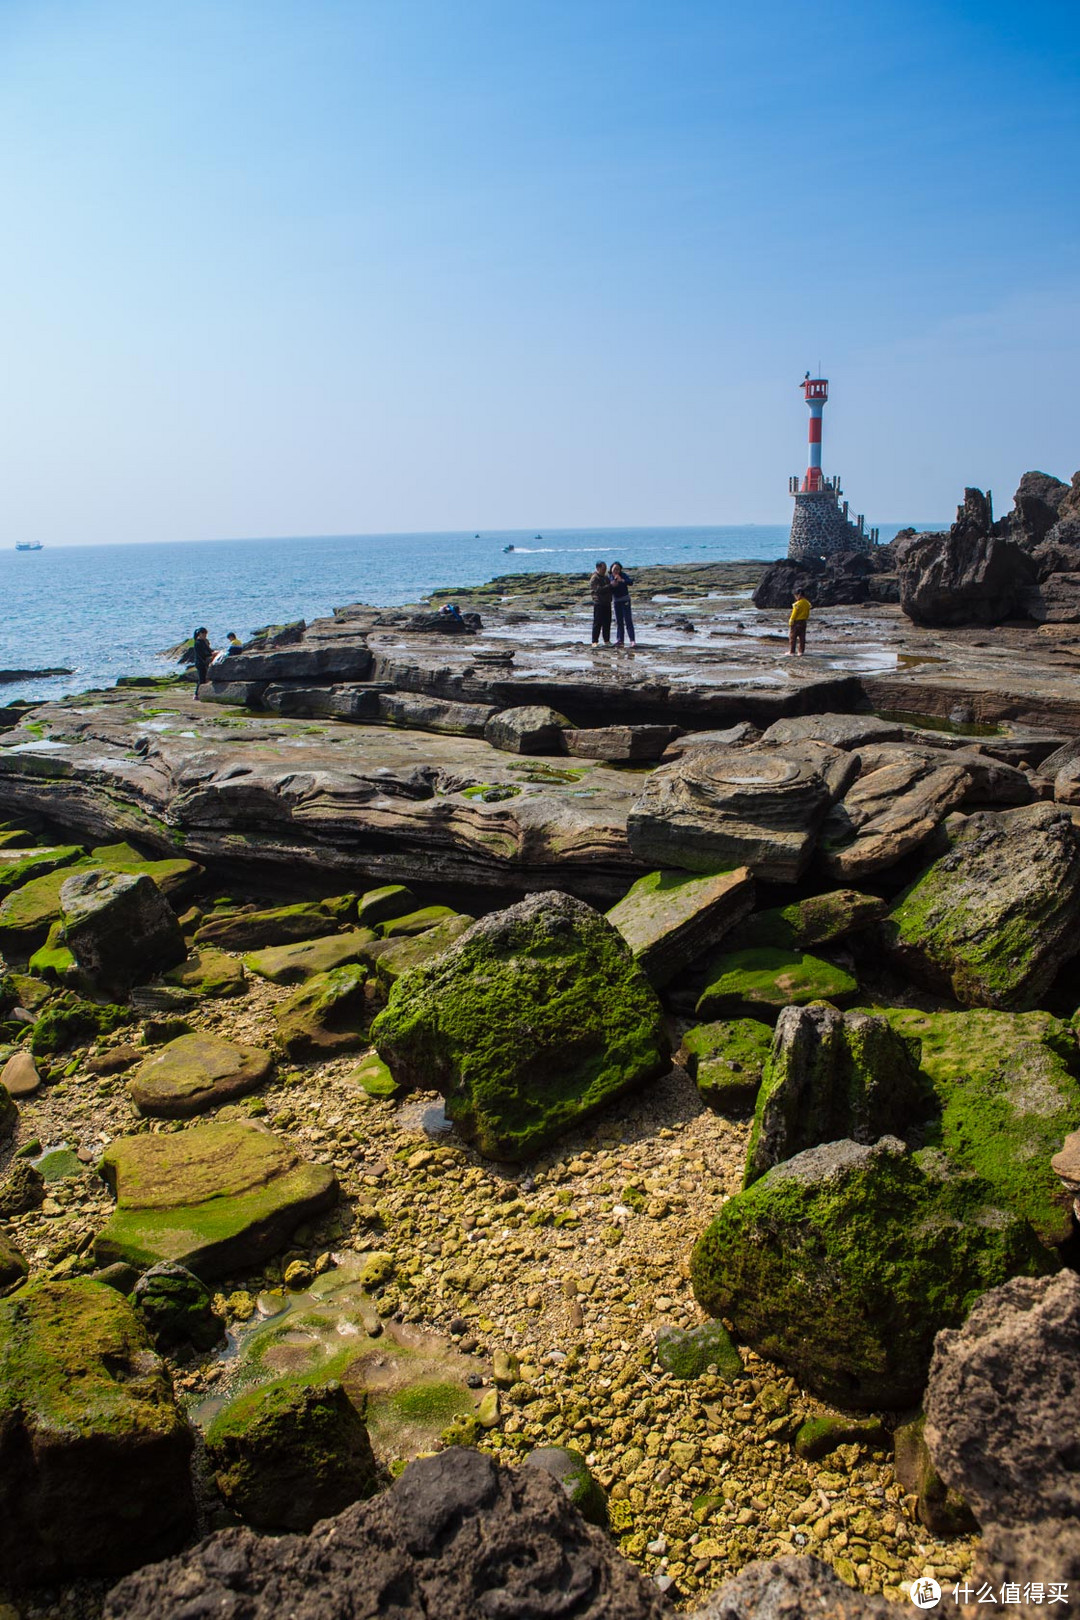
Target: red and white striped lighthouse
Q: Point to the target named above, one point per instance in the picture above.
(815, 392)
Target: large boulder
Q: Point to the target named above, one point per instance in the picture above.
(533, 729)
(820, 919)
(94, 1456)
(197, 1072)
(120, 929)
(832, 1075)
(28, 914)
(207, 974)
(1002, 1416)
(216, 1198)
(1036, 507)
(759, 807)
(1007, 1097)
(993, 920)
(670, 918)
(968, 576)
(843, 1262)
(532, 1021)
(456, 1537)
(290, 1453)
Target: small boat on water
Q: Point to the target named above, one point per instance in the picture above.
(538, 537)
(508, 548)
(28, 545)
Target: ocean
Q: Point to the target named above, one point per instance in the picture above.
(106, 611)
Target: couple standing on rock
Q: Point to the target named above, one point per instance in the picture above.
(611, 590)
(205, 655)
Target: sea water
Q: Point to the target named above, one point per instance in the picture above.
(105, 611)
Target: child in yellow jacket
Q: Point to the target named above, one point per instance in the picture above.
(800, 612)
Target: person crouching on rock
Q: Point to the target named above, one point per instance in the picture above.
(204, 654)
(800, 612)
(620, 598)
(600, 590)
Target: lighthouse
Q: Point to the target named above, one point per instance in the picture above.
(820, 525)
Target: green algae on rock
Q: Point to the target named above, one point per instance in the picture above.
(373, 1076)
(993, 920)
(297, 963)
(280, 925)
(1008, 1096)
(326, 1015)
(214, 1197)
(53, 960)
(290, 1453)
(726, 1060)
(379, 905)
(27, 914)
(939, 1507)
(415, 922)
(816, 921)
(69, 1021)
(94, 1456)
(19, 866)
(670, 918)
(196, 1072)
(765, 979)
(9, 1114)
(176, 1307)
(843, 1263)
(120, 929)
(689, 1352)
(390, 958)
(817, 1436)
(535, 1019)
(833, 1076)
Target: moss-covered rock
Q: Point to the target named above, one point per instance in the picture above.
(373, 1076)
(13, 1267)
(992, 921)
(816, 921)
(569, 1467)
(291, 1453)
(328, 1014)
(69, 1021)
(177, 1307)
(816, 1437)
(726, 1059)
(280, 925)
(215, 1197)
(93, 1453)
(19, 866)
(120, 928)
(296, 964)
(54, 960)
(380, 905)
(27, 915)
(765, 979)
(415, 922)
(535, 1019)
(390, 958)
(690, 1352)
(23, 1189)
(844, 1262)
(9, 1114)
(1008, 1096)
(832, 1076)
(208, 974)
(197, 1072)
(670, 918)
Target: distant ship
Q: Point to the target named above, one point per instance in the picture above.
(28, 545)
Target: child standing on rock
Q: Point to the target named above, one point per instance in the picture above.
(620, 597)
(800, 612)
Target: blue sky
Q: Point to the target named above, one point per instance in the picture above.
(327, 267)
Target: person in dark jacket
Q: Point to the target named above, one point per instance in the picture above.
(600, 590)
(620, 599)
(203, 655)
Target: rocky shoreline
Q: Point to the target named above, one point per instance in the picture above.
(656, 1072)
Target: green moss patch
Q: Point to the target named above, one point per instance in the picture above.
(727, 1059)
(765, 979)
(328, 1014)
(805, 923)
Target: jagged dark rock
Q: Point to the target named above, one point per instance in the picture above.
(456, 1537)
(792, 1588)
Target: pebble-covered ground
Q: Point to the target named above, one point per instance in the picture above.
(571, 1264)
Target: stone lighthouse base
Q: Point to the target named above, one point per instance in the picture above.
(819, 527)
